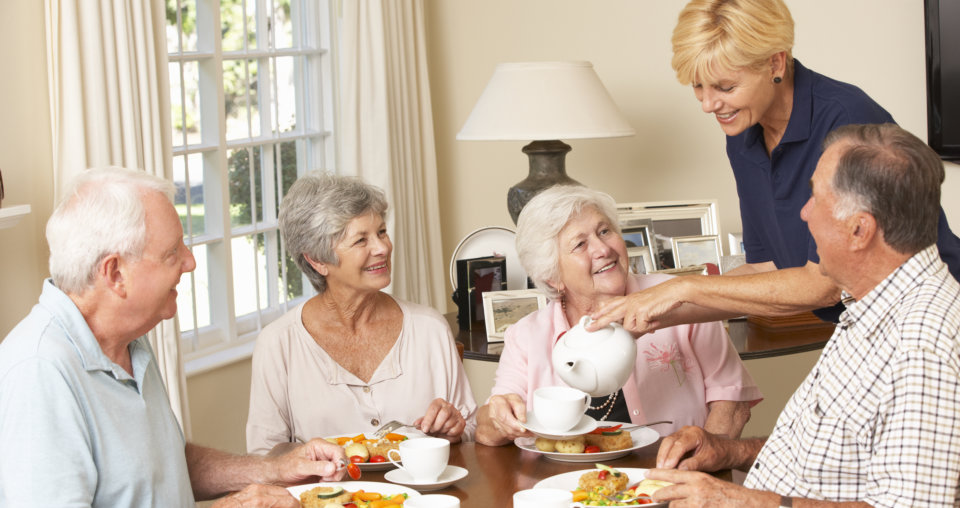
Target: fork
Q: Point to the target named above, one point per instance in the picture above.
(388, 428)
(614, 498)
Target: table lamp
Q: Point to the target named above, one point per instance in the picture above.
(543, 102)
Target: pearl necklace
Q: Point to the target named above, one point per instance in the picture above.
(611, 400)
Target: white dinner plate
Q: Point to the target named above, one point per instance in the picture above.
(491, 241)
(383, 466)
(387, 489)
(449, 475)
(586, 424)
(569, 481)
(643, 436)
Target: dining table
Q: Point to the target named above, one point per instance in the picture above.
(495, 473)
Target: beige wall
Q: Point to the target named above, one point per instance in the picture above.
(25, 157)
(677, 154)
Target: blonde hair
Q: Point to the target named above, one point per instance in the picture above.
(717, 35)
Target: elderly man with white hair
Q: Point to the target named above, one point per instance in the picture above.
(86, 420)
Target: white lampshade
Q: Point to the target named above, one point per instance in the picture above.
(544, 100)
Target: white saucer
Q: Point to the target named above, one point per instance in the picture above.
(586, 424)
(447, 477)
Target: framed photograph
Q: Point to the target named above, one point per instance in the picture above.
(641, 259)
(504, 308)
(476, 276)
(735, 241)
(671, 219)
(697, 250)
(638, 232)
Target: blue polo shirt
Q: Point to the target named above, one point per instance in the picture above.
(78, 430)
(772, 189)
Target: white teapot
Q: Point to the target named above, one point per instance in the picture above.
(598, 363)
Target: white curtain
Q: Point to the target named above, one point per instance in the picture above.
(386, 134)
(110, 105)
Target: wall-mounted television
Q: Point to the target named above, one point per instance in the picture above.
(943, 76)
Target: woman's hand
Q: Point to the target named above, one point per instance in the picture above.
(442, 419)
(501, 420)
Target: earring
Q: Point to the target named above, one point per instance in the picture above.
(563, 300)
(777, 79)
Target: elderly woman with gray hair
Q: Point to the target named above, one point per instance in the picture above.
(352, 357)
(569, 242)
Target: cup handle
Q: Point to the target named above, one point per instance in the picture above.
(586, 402)
(395, 463)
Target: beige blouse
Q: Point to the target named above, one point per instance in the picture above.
(298, 392)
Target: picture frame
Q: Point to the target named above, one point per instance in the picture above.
(476, 276)
(504, 308)
(671, 219)
(638, 232)
(641, 260)
(697, 250)
(735, 241)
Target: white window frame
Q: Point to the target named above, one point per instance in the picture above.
(228, 338)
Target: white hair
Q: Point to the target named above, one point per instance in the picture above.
(541, 221)
(101, 214)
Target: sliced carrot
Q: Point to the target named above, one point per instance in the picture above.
(367, 496)
(395, 437)
(579, 495)
(384, 503)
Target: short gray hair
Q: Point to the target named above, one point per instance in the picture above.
(100, 214)
(541, 221)
(315, 213)
(892, 175)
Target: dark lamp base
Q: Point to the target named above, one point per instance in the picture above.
(547, 168)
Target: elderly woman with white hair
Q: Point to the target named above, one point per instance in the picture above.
(569, 243)
(352, 357)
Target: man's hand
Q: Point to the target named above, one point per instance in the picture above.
(700, 489)
(641, 312)
(315, 459)
(259, 496)
(442, 419)
(709, 452)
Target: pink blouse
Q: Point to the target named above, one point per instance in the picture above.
(678, 369)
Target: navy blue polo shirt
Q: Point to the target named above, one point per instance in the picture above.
(772, 189)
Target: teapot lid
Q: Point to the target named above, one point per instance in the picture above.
(578, 336)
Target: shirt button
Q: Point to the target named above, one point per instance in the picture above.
(366, 389)
(636, 412)
(375, 422)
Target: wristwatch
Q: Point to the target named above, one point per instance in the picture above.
(786, 502)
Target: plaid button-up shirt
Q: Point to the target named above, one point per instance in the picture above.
(878, 418)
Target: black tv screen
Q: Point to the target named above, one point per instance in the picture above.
(943, 76)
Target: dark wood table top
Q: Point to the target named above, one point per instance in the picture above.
(752, 338)
(496, 472)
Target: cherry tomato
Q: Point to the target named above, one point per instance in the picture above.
(589, 449)
(356, 459)
(602, 475)
(601, 430)
(378, 458)
(353, 470)
(350, 505)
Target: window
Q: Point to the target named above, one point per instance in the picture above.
(251, 99)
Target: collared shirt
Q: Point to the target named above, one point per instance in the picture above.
(773, 188)
(78, 430)
(878, 418)
(678, 369)
(299, 392)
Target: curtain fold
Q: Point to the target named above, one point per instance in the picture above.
(386, 135)
(109, 106)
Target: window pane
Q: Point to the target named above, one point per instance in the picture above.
(285, 94)
(283, 28)
(288, 168)
(188, 178)
(231, 21)
(187, 297)
(249, 274)
(185, 121)
(187, 19)
(243, 163)
(240, 98)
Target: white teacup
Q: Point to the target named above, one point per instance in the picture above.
(559, 408)
(542, 498)
(423, 458)
(432, 501)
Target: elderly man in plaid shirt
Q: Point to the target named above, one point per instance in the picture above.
(877, 420)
